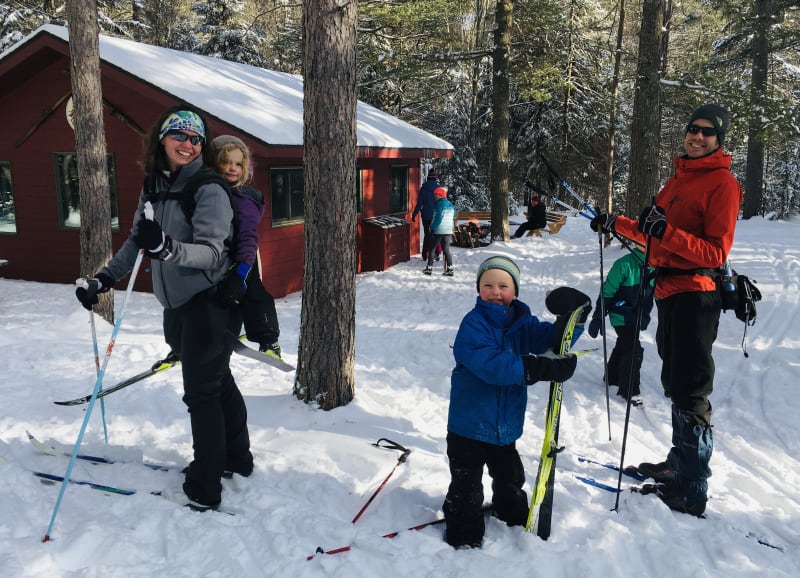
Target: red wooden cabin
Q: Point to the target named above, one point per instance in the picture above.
(39, 211)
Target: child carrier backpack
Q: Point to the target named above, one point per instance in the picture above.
(186, 197)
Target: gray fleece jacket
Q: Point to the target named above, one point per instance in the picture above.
(199, 257)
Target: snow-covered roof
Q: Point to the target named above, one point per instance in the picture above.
(265, 104)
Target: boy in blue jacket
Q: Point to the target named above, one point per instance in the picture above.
(500, 349)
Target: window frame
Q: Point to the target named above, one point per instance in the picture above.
(65, 221)
(294, 173)
(398, 175)
(7, 191)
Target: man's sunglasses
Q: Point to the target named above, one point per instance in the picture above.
(183, 137)
(694, 129)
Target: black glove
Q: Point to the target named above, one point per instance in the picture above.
(603, 223)
(565, 300)
(595, 327)
(234, 286)
(549, 367)
(88, 289)
(149, 236)
(653, 221)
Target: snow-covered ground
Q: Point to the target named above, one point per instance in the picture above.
(315, 470)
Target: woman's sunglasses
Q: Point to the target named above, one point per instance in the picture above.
(694, 129)
(183, 137)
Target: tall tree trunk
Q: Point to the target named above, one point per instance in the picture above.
(325, 371)
(90, 143)
(612, 121)
(754, 170)
(565, 104)
(500, 113)
(646, 126)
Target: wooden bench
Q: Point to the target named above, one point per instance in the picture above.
(469, 234)
(554, 223)
(474, 215)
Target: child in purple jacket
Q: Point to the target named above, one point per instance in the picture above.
(232, 161)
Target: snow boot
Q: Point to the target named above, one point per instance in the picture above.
(693, 444)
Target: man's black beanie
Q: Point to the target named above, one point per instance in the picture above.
(717, 115)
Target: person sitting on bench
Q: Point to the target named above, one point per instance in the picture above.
(537, 217)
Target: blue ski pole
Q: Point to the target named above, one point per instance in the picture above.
(565, 184)
(97, 386)
(97, 365)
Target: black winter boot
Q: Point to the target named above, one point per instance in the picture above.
(659, 472)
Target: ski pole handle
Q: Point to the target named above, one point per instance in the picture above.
(148, 211)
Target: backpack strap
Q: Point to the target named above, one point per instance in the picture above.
(199, 179)
(186, 196)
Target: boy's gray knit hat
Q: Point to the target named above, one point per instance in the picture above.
(502, 263)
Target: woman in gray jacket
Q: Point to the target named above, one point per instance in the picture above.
(189, 255)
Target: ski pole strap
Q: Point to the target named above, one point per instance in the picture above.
(390, 445)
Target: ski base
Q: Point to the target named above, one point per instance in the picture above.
(53, 451)
(158, 367)
(238, 347)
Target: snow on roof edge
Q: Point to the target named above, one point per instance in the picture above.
(265, 104)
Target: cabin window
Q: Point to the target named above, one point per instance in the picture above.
(286, 195)
(398, 196)
(69, 201)
(8, 214)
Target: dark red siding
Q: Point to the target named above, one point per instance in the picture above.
(36, 77)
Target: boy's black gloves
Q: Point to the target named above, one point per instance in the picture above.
(565, 300)
(595, 327)
(549, 367)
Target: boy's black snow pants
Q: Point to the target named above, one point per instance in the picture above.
(463, 503)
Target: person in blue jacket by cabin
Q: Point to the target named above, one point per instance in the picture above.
(425, 205)
(441, 231)
(500, 349)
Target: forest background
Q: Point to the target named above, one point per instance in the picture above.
(573, 76)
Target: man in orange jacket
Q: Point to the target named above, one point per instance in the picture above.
(690, 230)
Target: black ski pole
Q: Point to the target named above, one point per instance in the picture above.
(643, 279)
(401, 460)
(603, 330)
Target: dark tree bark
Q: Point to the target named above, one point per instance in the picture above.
(90, 144)
(754, 169)
(325, 371)
(500, 119)
(612, 121)
(644, 179)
